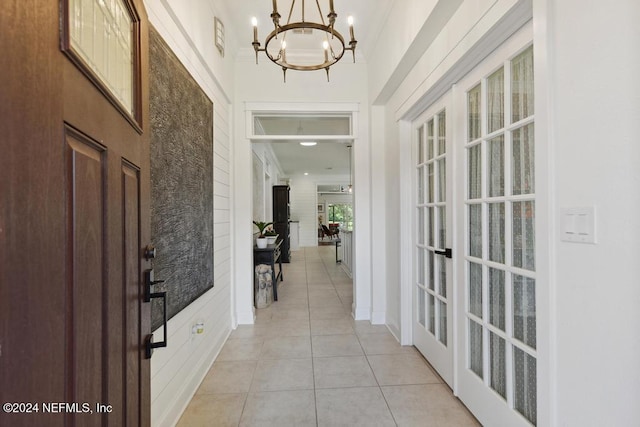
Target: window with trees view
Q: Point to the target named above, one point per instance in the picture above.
(342, 214)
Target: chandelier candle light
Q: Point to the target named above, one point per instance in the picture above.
(333, 43)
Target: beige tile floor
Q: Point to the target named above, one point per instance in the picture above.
(306, 362)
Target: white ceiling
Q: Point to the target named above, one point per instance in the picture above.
(324, 159)
(329, 157)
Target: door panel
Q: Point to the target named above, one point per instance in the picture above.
(85, 294)
(496, 316)
(432, 332)
(74, 209)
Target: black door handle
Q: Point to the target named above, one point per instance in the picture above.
(148, 296)
(149, 344)
(447, 253)
(149, 281)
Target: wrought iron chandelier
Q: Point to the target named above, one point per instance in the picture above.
(331, 50)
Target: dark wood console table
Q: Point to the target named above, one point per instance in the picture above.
(270, 256)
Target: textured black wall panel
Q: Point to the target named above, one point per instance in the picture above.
(181, 181)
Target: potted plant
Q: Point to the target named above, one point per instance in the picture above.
(261, 241)
(271, 235)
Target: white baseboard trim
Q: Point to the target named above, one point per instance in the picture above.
(395, 331)
(246, 318)
(347, 270)
(182, 399)
(378, 317)
(363, 313)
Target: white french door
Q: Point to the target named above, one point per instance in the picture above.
(433, 285)
(496, 311)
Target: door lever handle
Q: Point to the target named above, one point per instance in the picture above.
(149, 280)
(447, 253)
(149, 345)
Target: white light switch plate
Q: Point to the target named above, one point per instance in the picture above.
(578, 225)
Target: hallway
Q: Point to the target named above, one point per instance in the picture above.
(306, 362)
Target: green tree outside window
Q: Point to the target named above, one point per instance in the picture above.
(342, 214)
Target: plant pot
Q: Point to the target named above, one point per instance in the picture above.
(271, 239)
(261, 242)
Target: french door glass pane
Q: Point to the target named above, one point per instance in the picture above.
(430, 130)
(475, 172)
(524, 235)
(525, 384)
(442, 267)
(442, 133)
(496, 232)
(442, 180)
(522, 85)
(523, 160)
(430, 184)
(421, 221)
(524, 309)
(421, 156)
(475, 230)
(495, 162)
(432, 315)
(431, 268)
(420, 185)
(475, 289)
(497, 298)
(475, 348)
(421, 308)
(498, 359)
(495, 101)
(421, 264)
(430, 225)
(442, 322)
(442, 227)
(474, 106)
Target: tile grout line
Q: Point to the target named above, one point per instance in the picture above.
(313, 370)
(246, 397)
(377, 381)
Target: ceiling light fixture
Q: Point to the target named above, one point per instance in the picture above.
(308, 144)
(331, 49)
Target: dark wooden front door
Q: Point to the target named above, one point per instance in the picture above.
(74, 217)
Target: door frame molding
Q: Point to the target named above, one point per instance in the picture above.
(362, 276)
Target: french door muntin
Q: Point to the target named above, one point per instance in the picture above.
(499, 266)
(432, 328)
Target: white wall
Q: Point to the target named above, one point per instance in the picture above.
(176, 371)
(302, 197)
(263, 206)
(403, 24)
(594, 64)
(384, 128)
